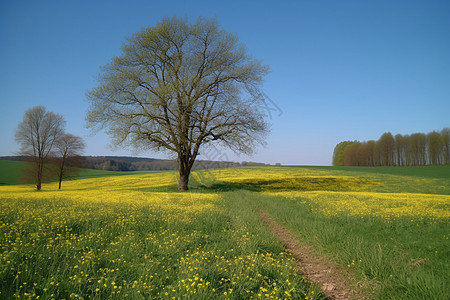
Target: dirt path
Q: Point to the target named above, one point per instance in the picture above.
(332, 279)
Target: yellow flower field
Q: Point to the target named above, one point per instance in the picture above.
(385, 205)
(133, 236)
(131, 189)
(136, 236)
(335, 194)
(332, 194)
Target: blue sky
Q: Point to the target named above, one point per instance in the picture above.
(340, 70)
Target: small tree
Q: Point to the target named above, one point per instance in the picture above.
(36, 135)
(179, 87)
(67, 155)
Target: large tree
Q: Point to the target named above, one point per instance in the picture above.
(179, 87)
(36, 135)
(68, 149)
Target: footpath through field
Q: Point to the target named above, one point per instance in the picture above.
(334, 281)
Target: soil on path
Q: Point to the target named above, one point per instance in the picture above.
(333, 280)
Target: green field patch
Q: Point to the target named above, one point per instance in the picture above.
(9, 171)
(441, 172)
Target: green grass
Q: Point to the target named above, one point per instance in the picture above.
(9, 171)
(90, 173)
(399, 259)
(419, 171)
(10, 175)
(59, 248)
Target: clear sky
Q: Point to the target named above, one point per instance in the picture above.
(340, 70)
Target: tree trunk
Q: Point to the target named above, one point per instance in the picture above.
(39, 169)
(61, 170)
(183, 182)
(184, 170)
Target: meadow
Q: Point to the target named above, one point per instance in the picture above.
(105, 236)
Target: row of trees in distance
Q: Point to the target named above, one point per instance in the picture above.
(120, 163)
(49, 150)
(417, 149)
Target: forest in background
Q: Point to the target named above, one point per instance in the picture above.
(417, 149)
(124, 163)
(118, 163)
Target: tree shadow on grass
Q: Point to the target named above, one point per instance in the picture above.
(291, 184)
(253, 186)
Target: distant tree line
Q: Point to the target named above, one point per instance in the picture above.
(124, 163)
(118, 163)
(417, 149)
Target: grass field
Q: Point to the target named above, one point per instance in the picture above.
(10, 174)
(9, 171)
(135, 236)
